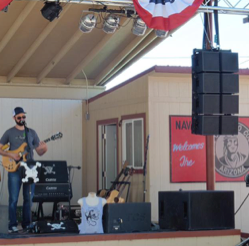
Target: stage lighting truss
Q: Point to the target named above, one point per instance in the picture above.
(139, 27)
(111, 23)
(87, 23)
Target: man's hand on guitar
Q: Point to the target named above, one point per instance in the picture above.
(14, 156)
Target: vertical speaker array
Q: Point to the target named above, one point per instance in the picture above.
(215, 88)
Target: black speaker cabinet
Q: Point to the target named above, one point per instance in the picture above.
(215, 83)
(222, 61)
(206, 104)
(206, 83)
(215, 125)
(229, 62)
(196, 210)
(205, 61)
(53, 172)
(229, 83)
(205, 125)
(229, 104)
(229, 125)
(127, 217)
(215, 104)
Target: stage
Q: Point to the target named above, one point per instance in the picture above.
(159, 238)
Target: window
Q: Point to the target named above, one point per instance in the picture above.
(133, 142)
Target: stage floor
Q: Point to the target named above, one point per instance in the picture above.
(159, 238)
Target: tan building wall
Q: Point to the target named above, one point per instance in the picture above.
(127, 100)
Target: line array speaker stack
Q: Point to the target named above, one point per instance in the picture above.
(214, 88)
(196, 210)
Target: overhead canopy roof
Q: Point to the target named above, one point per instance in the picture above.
(35, 51)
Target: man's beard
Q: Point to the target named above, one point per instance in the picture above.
(20, 123)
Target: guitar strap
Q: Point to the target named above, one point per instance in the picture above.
(26, 138)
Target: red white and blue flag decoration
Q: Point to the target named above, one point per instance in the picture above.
(4, 3)
(166, 14)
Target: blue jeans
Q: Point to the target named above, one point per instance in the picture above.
(14, 186)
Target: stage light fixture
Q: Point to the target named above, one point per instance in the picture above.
(111, 24)
(139, 27)
(87, 23)
(51, 10)
(161, 33)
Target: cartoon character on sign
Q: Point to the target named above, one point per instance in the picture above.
(232, 152)
(231, 155)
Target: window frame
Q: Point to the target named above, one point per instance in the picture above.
(131, 119)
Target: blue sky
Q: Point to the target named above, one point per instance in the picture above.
(177, 50)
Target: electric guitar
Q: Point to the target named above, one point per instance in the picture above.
(11, 165)
(103, 193)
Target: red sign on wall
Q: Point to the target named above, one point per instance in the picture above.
(188, 153)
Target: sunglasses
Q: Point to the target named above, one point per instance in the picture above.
(21, 117)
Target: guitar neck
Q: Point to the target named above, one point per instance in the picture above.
(47, 140)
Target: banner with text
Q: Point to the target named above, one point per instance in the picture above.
(188, 153)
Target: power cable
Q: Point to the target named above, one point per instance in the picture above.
(241, 204)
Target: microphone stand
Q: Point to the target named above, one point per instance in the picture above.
(30, 227)
(70, 187)
(69, 191)
(145, 168)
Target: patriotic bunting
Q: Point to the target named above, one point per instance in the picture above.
(166, 14)
(4, 3)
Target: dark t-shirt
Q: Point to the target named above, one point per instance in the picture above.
(16, 138)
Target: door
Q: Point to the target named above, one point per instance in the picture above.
(107, 155)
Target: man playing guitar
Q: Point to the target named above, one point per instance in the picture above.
(15, 137)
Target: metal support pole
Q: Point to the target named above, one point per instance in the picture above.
(210, 153)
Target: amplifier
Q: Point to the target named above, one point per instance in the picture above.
(126, 217)
(52, 192)
(57, 226)
(53, 172)
(62, 212)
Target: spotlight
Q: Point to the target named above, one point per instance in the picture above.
(139, 27)
(111, 24)
(51, 10)
(161, 33)
(87, 23)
